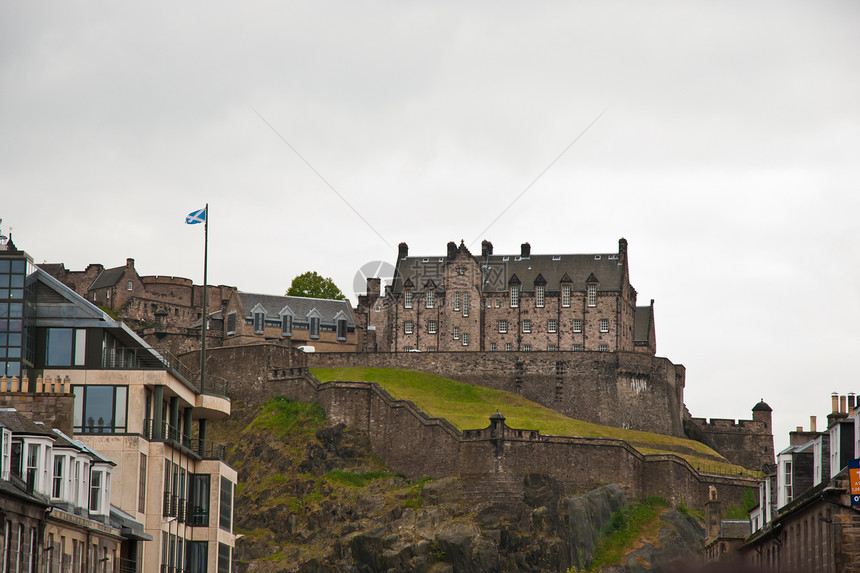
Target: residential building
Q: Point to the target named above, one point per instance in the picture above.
(325, 324)
(140, 408)
(525, 302)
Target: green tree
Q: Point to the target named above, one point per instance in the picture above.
(312, 285)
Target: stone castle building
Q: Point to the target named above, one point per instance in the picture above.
(498, 303)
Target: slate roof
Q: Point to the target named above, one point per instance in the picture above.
(642, 323)
(108, 278)
(608, 268)
(21, 424)
(734, 528)
(301, 306)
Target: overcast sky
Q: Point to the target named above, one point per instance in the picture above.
(726, 153)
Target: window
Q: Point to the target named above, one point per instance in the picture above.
(196, 556)
(456, 333)
(407, 327)
(527, 326)
(431, 327)
(341, 329)
(508, 347)
(65, 347)
(592, 295)
(286, 325)
(539, 296)
(503, 326)
(461, 270)
(33, 464)
(787, 474)
(430, 299)
(258, 323)
(130, 286)
(57, 490)
(551, 348)
(552, 325)
(141, 486)
(527, 348)
(604, 325)
(565, 296)
(198, 499)
(515, 296)
(431, 349)
(456, 301)
(465, 304)
(100, 409)
(223, 558)
(225, 513)
(603, 348)
(492, 347)
(96, 491)
(407, 299)
(315, 327)
(465, 339)
(231, 323)
(577, 325)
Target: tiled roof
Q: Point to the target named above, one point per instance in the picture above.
(21, 424)
(498, 270)
(108, 278)
(300, 306)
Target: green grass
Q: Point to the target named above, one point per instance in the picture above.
(281, 416)
(358, 479)
(469, 407)
(625, 527)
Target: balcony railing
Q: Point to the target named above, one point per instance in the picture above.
(206, 449)
(127, 566)
(160, 359)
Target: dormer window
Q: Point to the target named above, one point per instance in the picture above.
(259, 321)
(287, 325)
(231, 323)
(407, 299)
(315, 327)
(341, 329)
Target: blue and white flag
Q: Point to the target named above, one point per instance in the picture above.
(195, 217)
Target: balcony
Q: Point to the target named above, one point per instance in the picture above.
(205, 449)
(155, 359)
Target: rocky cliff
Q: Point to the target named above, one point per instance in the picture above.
(313, 498)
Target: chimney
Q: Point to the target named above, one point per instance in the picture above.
(834, 403)
(842, 404)
(850, 402)
(812, 424)
(799, 429)
(486, 248)
(129, 263)
(622, 248)
(373, 284)
(452, 249)
(402, 251)
(525, 250)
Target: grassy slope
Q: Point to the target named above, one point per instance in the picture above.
(469, 407)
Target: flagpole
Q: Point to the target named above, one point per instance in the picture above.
(205, 326)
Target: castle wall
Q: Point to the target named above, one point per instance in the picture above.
(626, 389)
(748, 443)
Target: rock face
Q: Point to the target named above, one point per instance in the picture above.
(312, 498)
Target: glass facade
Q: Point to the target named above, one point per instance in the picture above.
(16, 312)
(100, 409)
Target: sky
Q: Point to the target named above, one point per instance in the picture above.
(721, 139)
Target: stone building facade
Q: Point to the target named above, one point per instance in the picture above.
(497, 303)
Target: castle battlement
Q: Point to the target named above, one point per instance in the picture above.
(730, 424)
(166, 280)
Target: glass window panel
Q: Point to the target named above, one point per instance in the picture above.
(4, 280)
(13, 369)
(80, 346)
(4, 266)
(59, 347)
(121, 393)
(19, 266)
(4, 324)
(4, 310)
(16, 326)
(4, 293)
(14, 339)
(16, 310)
(17, 281)
(16, 293)
(78, 391)
(99, 408)
(14, 352)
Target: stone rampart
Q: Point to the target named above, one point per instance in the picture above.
(744, 442)
(630, 390)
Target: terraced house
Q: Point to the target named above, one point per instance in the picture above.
(141, 409)
(517, 302)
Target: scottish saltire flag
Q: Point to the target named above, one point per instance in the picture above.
(195, 217)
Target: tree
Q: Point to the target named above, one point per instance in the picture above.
(313, 285)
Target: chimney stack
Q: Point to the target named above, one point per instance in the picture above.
(812, 424)
(373, 286)
(843, 404)
(452, 249)
(129, 263)
(834, 403)
(402, 251)
(525, 250)
(622, 248)
(486, 248)
(851, 403)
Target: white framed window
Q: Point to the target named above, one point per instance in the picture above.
(430, 299)
(577, 325)
(603, 348)
(407, 327)
(431, 349)
(492, 347)
(130, 286)
(503, 326)
(456, 301)
(315, 327)
(498, 303)
(565, 296)
(287, 325)
(508, 347)
(552, 325)
(539, 295)
(515, 296)
(551, 348)
(604, 325)
(577, 347)
(527, 326)
(592, 295)
(489, 303)
(456, 333)
(465, 304)
(407, 299)
(231, 323)
(431, 327)
(527, 348)
(59, 477)
(465, 339)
